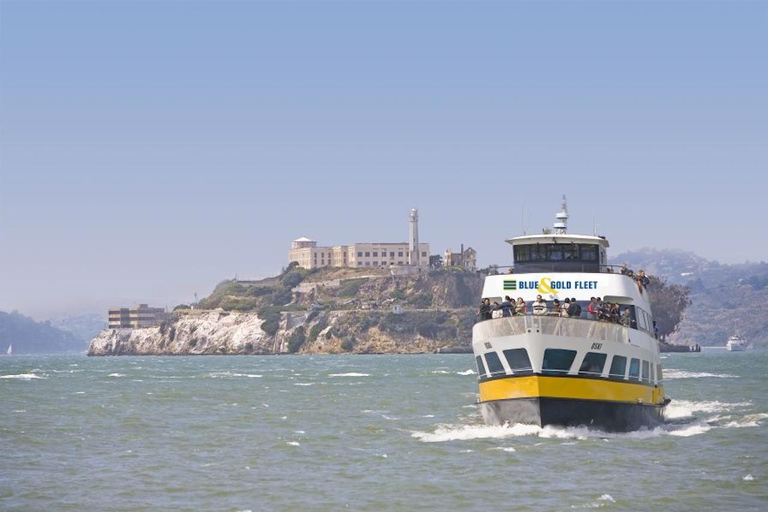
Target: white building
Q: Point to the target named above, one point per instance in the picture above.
(309, 255)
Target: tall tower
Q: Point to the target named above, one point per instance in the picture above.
(561, 226)
(413, 243)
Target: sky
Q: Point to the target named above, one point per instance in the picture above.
(151, 149)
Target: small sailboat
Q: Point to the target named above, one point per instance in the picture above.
(10, 349)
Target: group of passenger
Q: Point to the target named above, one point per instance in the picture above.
(596, 310)
(640, 278)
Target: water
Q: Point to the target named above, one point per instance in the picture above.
(360, 433)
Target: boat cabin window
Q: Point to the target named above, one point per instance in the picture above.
(646, 372)
(634, 369)
(518, 361)
(494, 364)
(480, 367)
(567, 257)
(658, 373)
(593, 364)
(618, 368)
(557, 361)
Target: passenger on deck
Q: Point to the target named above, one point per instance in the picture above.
(626, 271)
(507, 306)
(556, 307)
(521, 308)
(575, 310)
(644, 279)
(539, 306)
(565, 309)
(592, 309)
(485, 309)
(511, 270)
(496, 310)
(615, 313)
(626, 320)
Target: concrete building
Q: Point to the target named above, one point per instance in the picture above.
(309, 255)
(135, 318)
(466, 259)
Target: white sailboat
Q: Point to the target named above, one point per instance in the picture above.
(10, 349)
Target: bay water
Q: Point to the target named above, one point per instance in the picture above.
(369, 433)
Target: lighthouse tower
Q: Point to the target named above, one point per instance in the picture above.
(413, 242)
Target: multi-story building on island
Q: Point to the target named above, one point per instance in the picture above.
(466, 259)
(135, 318)
(309, 255)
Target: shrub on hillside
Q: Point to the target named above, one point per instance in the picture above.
(296, 340)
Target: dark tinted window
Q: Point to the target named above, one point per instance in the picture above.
(646, 372)
(589, 253)
(494, 364)
(593, 364)
(518, 360)
(557, 361)
(618, 367)
(658, 373)
(634, 369)
(480, 366)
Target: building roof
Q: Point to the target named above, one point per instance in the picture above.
(304, 239)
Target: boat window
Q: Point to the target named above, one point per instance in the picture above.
(538, 253)
(634, 369)
(618, 368)
(480, 366)
(588, 252)
(518, 360)
(554, 252)
(593, 364)
(652, 374)
(522, 253)
(658, 373)
(494, 364)
(571, 252)
(557, 361)
(646, 372)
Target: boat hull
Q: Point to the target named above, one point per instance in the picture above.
(568, 412)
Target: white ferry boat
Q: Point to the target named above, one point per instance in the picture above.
(556, 370)
(736, 344)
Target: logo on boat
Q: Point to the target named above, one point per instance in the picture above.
(548, 286)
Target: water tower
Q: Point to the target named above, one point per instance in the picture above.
(413, 243)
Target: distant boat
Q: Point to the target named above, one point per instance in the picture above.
(736, 344)
(10, 349)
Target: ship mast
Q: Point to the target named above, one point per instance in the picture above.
(561, 225)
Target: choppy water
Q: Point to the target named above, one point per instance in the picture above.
(360, 433)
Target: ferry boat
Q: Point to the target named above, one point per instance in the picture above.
(736, 344)
(554, 370)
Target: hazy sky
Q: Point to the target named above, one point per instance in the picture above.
(150, 149)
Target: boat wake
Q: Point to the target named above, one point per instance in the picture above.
(682, 374)
(684, 419)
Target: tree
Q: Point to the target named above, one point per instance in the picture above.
(435, 261)
(668, 302)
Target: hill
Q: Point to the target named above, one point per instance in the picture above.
(725, 299)
(31, 337)
(319, 311)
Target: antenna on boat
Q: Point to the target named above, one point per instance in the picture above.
(561, 226)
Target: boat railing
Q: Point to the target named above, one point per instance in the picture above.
(551, 325)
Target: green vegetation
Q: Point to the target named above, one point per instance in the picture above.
(350, 287)
(296, 340)
(271, 320)
(348, 344)
(316, 329)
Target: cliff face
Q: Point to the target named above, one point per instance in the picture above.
(327, 311)
(332, 332)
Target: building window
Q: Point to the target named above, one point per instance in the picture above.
(367, 254)
(392, 254)
(359, 263)
(400, 253)
(557, 361)
(518, 360)
(494, 364)
(367, 263)
(375, 254)
(375, 263)
(423, 254)
(359, 254)
(593, 364)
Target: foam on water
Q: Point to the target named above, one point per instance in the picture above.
(678, 409)
(672, 374)
(466, 372)
(116, 375)
(219, 375)
(352, 374)
(22, 376)
(602, 501)
(748, 478)
(303, 383)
